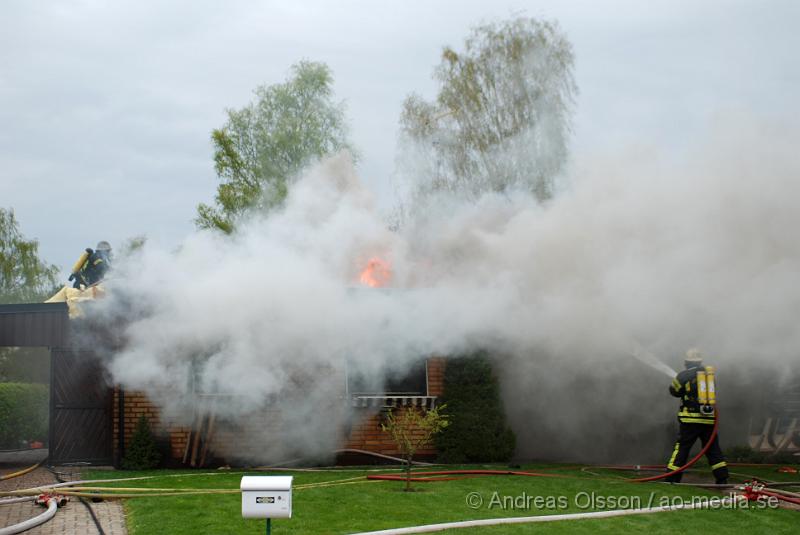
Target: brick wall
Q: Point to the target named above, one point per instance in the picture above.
(229, 438)
(436, 366)
(236, 442)
(178, 436)
(136, 405)
(367, 434)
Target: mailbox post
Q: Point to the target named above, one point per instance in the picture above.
(266, 497)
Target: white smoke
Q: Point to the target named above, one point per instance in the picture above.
(669, 255)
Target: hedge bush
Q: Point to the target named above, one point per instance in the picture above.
(24, 411)
(477, 430)
(746, 454)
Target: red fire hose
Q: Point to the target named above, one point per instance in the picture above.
(426, 476)
(461, 474)
(691, 462)
(754, 490)
(783, 497)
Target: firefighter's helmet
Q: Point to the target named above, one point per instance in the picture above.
(103, 246)
(693, 358)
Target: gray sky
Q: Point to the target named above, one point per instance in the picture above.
(107, 107)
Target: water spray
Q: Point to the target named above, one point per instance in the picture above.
(642, 355)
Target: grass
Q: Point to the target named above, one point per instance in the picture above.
(361, 506)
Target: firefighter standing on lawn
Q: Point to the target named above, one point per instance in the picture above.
(695, 387)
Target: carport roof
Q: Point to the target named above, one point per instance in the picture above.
(34, 325)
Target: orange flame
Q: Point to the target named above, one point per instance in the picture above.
(376, 274)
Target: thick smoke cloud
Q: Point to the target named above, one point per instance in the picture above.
(638, 249)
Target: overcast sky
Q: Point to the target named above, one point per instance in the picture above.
(107, 107)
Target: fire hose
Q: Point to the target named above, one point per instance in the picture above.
(20, 472)
(447, 475)
(531, 519)
(755, 490)
(71, 488)
(137, 492)
(691, 462)
(52, 507)
(116, 492)
(752, 491)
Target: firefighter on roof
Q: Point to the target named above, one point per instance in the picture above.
(695, 386)
(92, 266)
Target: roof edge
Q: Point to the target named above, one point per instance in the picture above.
(33, 307)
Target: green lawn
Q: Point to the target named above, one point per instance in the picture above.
(353, 507)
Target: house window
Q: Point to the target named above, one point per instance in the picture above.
(413, 382)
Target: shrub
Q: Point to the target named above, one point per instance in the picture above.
(477, 430)
(142, 453)
(746, 454)
(24, 412)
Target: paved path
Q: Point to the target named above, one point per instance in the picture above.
(20, 458)
(73, 518)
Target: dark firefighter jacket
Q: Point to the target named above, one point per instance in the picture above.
(684, 386)
(95, 268)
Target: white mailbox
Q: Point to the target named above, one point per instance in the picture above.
(266, 496)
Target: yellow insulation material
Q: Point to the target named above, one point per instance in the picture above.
(74, 296)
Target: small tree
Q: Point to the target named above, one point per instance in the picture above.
(412, 430)
(142, 453)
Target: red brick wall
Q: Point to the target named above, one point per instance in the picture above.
(233, 440)
(177, 440)
(366, 434)
(436, 366)
(136, 405)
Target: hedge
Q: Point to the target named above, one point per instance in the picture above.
(478, 431)
(24, 411)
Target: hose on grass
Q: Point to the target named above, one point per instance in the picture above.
(786, 492)
(447, 475)
(780, 496)
(381, 456)
(71, 489)
(327, 469)
(48, 488)
(185, 492)
(784, 484)
(691, 462)
(541, 518)
(651, 468)
(282, 464)
(139, 489)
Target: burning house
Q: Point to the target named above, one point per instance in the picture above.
(93, 419)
